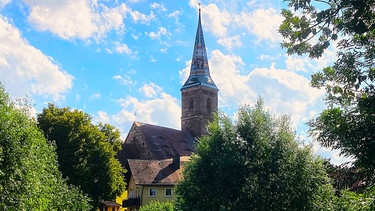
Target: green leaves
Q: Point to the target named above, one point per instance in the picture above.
(85, 151)
(29, 176)
(255, 164)
(349, 83)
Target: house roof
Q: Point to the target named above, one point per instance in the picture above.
(155, 172)
(110, 204)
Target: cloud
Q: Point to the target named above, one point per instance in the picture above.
(81, 19)
(66, 18)
(284, 91)
(230, 42)
(150, 90)
(263, 23)
(122, 48)
(25, 70)
(215, 21)
(154, 107)
(160, 7)
(156, 35)
(95, 96)
(4, 2)
(124, 80)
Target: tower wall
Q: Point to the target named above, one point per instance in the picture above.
(198, 105)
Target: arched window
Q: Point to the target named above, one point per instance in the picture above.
(191, 104)
(209, 105)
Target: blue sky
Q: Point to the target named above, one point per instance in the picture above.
(122, 61)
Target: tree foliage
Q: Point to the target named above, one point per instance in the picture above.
(29, 175)
(86, 152)
(309, 28)
(255, 164)
(158, 206)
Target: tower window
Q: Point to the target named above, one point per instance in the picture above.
(209, 105)
(191, 103)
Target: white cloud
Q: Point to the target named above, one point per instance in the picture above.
(156, 35)
(124, 80)
(284, 92)
(68, 19)
(230, 42)
(4, 2)
(95, 96)
(81, 19)
(25, 70)
(122, 48)
(160, 7)
(215, 21)
(263, 23)
(140, 17)
(157, 108)
(150, 90)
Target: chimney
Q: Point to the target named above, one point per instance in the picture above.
(176, 161)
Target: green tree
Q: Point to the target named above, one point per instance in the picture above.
(309, 28)
(158, 206)
(255, 164)
(29, 175)
(85, 152)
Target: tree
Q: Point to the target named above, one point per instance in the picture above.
(85, 152)
(255, 164)
(158, 206)
(348, 123)
(29, 175)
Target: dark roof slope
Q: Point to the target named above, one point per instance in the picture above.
(155, 172)
(166, 142)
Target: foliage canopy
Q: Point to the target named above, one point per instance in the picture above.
(310, 27)
(29, 175)
(86, 152)
(255, 164)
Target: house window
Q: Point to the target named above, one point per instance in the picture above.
(152, 192)
(168, 192)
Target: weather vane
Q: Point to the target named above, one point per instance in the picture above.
(199, 6)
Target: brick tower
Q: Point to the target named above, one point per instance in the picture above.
(199, 94)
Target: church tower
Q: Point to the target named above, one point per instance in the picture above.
(199, 94)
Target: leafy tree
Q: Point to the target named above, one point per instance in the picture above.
(255, 164)
(29, 175)
(309, 28)
(158, 206)
(85, 151)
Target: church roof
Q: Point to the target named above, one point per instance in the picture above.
(153, 142)
(199, 71)
(160, 142)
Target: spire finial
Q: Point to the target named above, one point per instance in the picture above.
(199, 7)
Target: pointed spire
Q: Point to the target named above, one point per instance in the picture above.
(199, 71)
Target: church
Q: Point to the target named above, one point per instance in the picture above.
(154, 155)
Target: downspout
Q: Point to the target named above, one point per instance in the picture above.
(142, 195)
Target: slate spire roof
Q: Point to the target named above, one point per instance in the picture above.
(199, 71)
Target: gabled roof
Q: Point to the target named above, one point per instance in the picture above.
(162, 142)
(155, 172)
(199, 71)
